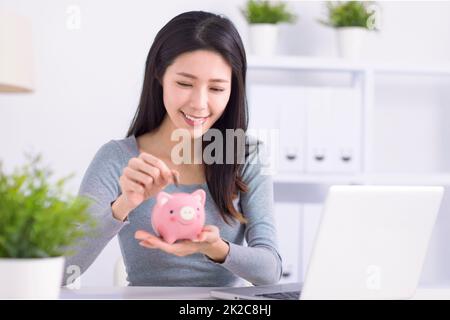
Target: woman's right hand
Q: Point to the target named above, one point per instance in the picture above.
(143, 178)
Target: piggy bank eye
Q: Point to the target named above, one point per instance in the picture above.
(171, 211)
(198, 209)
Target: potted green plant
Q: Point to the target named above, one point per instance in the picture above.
(39, 222)
(263, 18)
(352, 20)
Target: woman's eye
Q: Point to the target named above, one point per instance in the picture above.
(184, 84)
(188, 85)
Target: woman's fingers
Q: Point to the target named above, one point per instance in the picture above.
(139, 164)
(140, 171)
(147, 239)
(146, 244)
(156, 243)
(130, 185)
(150, 239)
(210, 228)
(205, 236)
(175, 177)
(138, 176)
(142, 235)
(179, 249)
(146, 165)
(164, 172)
(209, 234)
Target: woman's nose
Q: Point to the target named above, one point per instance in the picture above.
(199, 100)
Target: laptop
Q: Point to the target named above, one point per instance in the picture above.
(371, 244)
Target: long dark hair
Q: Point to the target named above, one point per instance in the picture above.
(187, 32)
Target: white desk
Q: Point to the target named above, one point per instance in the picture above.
(196, 293)
(177, 293)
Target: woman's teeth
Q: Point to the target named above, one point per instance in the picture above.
(196, 120)
(193, 118)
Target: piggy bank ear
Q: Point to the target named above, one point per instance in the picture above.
(162, 198)
(200, 195)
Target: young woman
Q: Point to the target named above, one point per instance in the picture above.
(194, 80)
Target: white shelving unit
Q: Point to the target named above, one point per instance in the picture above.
(378, 179)
(364, 73)
(339, 65)
(363, 77)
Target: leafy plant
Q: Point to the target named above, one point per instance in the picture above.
(267, 12)
(38, 219)
(350, 14)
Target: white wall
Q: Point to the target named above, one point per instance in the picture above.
(88, 80)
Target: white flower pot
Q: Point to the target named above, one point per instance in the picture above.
(350, 42)
(31, 278)
(263, 39)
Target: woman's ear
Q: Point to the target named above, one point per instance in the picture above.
(162, 198)
(200, 195)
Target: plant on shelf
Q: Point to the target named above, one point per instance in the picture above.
(263, 18)
(39, 222)
(267, 12)
(350, 14)
(352, 20)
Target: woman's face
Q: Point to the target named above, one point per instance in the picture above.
(196, 90)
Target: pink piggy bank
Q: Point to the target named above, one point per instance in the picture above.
(179, 215)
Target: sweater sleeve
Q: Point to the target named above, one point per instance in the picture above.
(259, 262)
(100, 184)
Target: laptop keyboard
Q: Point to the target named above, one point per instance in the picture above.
(291, 295)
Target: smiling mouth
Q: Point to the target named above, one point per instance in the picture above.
(194, 120)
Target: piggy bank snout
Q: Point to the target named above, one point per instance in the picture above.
(187, 213)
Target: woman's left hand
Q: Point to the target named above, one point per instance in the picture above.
(208, 242)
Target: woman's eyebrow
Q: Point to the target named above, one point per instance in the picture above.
(188, 75)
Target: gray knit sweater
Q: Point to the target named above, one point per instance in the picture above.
(253, 254)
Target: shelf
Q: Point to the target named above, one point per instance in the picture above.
(340, 65)
(442, 69)
(387, 179)
(408, 179)
(304, 63)
(318, 178)
(366, 72)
